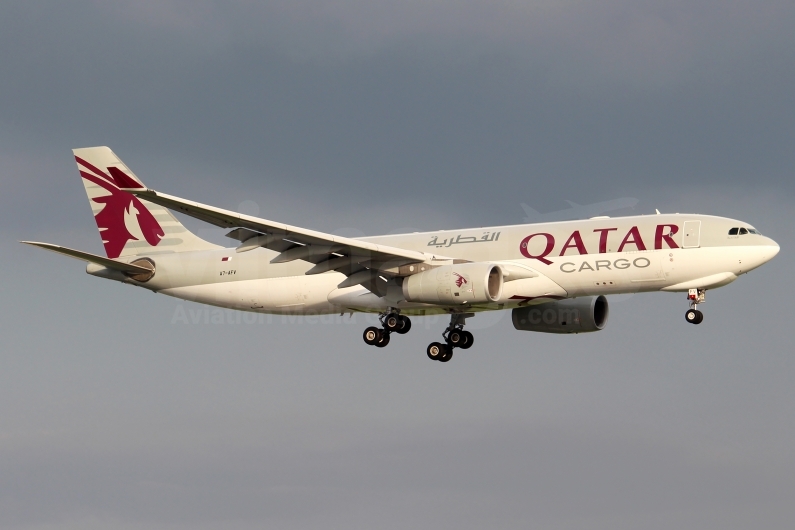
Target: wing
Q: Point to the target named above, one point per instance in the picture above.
(361, 261)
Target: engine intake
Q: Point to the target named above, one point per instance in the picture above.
(575, 315)
(474, 283)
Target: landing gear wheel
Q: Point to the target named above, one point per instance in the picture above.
(393, 322)
(695, 297)
(406, 321)
(694, 316)
(384, 339)
(436, 351)
(448, 354)
(457, 338)
(372, 335)
(469, 340)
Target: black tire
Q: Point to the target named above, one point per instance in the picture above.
(436, 351)
(456, 338)
(392, 322)
(406, 325)
(384, 339)
(692, 316)
(447, 356)
(469, 340)
(699, 317)
(372, 335)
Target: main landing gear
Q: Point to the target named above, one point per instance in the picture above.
(695, 297)
(391, 321)
(454, 337)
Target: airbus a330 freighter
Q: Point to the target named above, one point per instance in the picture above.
(553, 276)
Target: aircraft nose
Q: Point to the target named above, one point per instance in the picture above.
(776, 248)
(773, 249)
(758, 255)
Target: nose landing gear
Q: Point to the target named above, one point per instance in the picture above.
(695, 297)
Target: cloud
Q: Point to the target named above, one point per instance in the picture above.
(601, 98)
(371, 117)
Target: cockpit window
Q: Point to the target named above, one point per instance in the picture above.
(733, 231)
(753, 231)
(743, 231)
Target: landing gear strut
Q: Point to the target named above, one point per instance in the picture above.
(695, 297)
(392, 321)
(454, 337)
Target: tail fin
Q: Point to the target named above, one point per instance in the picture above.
(129, 225)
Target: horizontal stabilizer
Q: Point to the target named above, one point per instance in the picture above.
(91, 258)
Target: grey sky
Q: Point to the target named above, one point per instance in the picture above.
(118, 410)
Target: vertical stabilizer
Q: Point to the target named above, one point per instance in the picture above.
(129, 225)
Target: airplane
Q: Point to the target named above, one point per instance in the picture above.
(554, 277)
(578, 211)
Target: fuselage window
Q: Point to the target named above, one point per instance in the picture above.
(733, 231)
(743, 231)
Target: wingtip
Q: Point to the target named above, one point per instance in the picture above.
(38, 244)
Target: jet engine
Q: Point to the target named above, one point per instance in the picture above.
(474, 283)
(575, 315)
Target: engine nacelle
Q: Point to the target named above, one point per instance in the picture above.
(575, 315)
(474, 283)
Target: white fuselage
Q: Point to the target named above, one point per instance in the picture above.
(569, 259)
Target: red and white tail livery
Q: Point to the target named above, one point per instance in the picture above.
(128, 225)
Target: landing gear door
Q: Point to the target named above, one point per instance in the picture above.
(691, 237)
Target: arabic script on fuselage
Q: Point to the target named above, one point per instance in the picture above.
(487, 237)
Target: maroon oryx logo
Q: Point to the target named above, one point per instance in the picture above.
(460, 280)
(123, 216)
